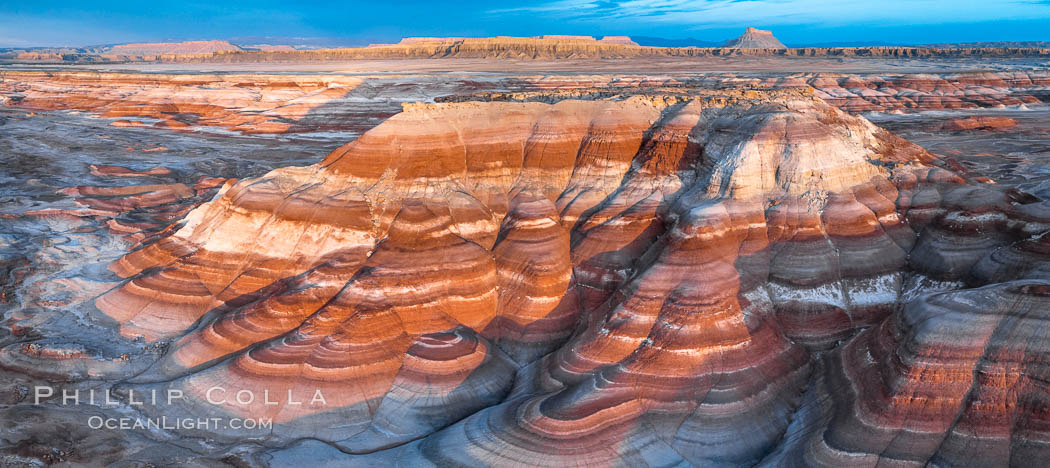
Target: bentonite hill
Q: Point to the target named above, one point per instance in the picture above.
(525, 251)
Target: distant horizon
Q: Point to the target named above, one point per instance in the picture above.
(794, 22)
(351, 42)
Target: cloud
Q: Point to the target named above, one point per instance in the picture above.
(714, 13)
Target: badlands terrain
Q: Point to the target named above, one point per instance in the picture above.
(741, 260)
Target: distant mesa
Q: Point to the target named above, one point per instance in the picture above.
(625, 40)
(269, 47)
(565, 37)
(622, 40)
(426, 40)
(161, 48)
(754, 42)
(755, 39)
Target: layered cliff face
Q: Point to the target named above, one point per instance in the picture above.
(953, 379)
(640, 279)
(927, 91)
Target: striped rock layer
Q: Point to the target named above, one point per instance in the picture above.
(954, 379)
(639, 281)
(244, 103)
(289, 104)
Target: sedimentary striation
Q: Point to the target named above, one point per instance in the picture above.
(575, 270)
(982, 122)
(953, 379)
(853, 93)
(640, 278)
(275, 104)
(244, 103)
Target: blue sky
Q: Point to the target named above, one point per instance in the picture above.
(52, 23)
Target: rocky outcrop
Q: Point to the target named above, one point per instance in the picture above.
(954, 379)
(755, 39)
(274, 104)
(979, 122)
(616, 280)
(240, 103)
(579, 271)
(914, 92)
(853, 93)
(118, 171)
